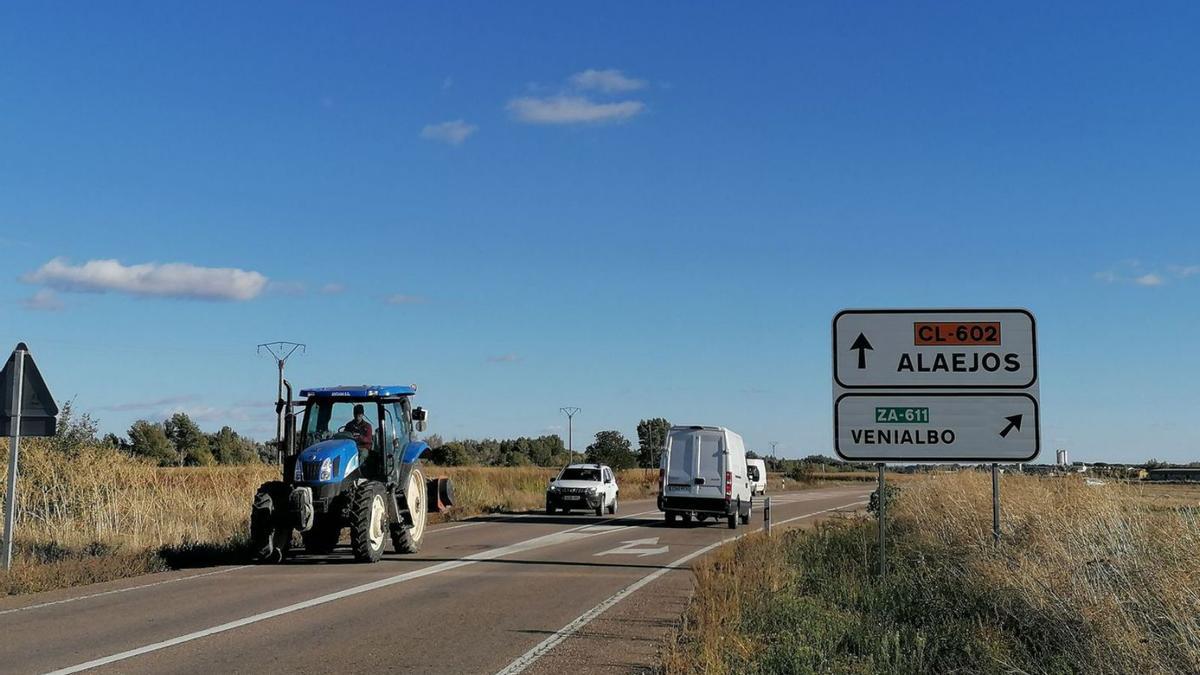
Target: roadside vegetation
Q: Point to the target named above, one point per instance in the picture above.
(1087, 579)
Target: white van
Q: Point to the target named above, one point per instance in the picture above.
(703, 474)
(757, 469)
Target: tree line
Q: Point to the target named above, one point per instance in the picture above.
(609, 447)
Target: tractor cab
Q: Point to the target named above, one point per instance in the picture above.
(357, 432)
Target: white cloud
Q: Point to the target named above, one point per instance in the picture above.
(402, 299)
(453, 132)
(1184, 271)
(447, 83)
(45, 300)
(504, 358)
(608, 81)
(571, 110)
(1149, 279)
(333, 288)
(169, 280)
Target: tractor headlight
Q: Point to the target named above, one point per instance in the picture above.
(298, 474)
(326, 470)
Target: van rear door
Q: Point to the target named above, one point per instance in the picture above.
(696, 463)
(710, 465)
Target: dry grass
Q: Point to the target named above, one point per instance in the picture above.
(97, 515)
(1088, 579)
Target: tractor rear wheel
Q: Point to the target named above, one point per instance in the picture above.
(368, 523)
(407, 538)
(322, 538)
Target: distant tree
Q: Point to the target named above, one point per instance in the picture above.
(147, 439)
(1153, 463)
(613, 449)
(73, 431)
(434, 441)
(114, 441)
(453, 453)
(652, 441)
(229, 448)
(191, 447)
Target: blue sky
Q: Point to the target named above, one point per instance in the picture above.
(639, 209)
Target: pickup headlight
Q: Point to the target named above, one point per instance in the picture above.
(553, 488)
(326, 469)
(298, 475)
(593, 490)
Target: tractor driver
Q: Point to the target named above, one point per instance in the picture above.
(360, 428)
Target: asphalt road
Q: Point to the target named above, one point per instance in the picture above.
(533, 594)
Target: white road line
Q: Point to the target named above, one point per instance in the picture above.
(569, 535)
(122, 590)
(541, 649)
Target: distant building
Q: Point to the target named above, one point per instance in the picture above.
(1177, 474)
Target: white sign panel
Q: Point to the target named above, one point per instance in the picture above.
(934, 349)
(935, 385)
(940, 427)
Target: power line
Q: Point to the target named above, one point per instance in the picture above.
(570, 412)
(281, 350)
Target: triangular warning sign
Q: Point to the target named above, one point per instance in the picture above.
(38, 408)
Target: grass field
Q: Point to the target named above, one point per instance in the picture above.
(1088, 579)
(96, 515)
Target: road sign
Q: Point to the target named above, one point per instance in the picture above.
(26, 409)
(935, 385)
(934, 349)
(37, 407)
(940, 427)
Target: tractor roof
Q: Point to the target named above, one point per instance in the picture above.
(360, 391)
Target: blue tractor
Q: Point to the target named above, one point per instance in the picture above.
(357, 469)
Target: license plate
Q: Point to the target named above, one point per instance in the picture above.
(571, 498)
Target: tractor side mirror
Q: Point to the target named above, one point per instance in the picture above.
(420, 416)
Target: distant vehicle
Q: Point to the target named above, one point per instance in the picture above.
(703, 474)
(584, 487)
(757, 470)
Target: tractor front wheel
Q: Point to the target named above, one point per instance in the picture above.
(270, 532)
(368, 523)
(407, 538)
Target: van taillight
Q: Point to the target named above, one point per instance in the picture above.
(728, 485)
(662, 478)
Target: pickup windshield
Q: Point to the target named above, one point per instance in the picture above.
(580, 474)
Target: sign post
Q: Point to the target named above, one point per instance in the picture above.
(882, 505)
(14, 452)
(936, 385)
(26, 408)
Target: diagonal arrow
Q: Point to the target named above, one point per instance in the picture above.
(862, 344)
(1014, 422)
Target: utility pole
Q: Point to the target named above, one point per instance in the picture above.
(570, 412)
(281, 351)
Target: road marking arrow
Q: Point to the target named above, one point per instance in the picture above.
(631, 548)
(862, 344)
(1014, 422)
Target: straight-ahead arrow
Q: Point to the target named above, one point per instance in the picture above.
(862, 344)
(1014, 422)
